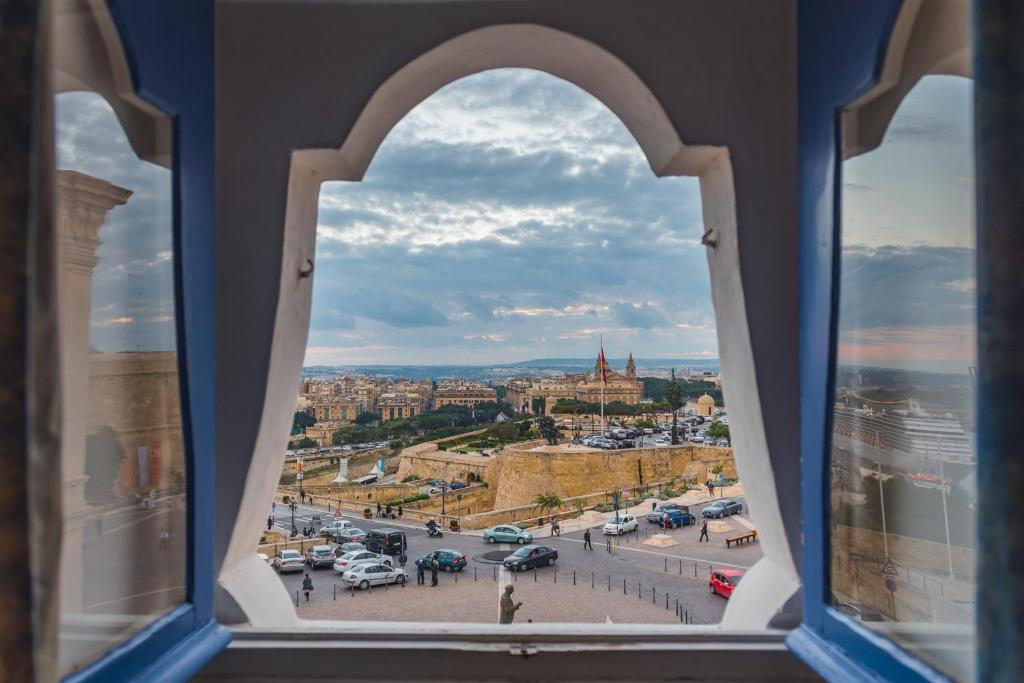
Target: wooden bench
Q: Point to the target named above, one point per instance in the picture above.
(749, 536)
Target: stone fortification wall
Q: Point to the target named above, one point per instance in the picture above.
(427, 461)
(522, 471)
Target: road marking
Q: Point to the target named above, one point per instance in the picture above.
(132, 523)
(130, 597)
(620, 546)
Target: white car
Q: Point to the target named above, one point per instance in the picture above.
(360, 557)
(289, 561)
(617, 526)
(337, 525)
(365, 575)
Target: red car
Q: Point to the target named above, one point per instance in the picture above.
(724, 581)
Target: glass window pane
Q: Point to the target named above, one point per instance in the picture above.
(904, 492)
(124, 545)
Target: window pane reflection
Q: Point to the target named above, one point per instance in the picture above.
(124, 546)
(903, 493)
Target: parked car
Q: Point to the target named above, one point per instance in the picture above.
(387, 541)
(289, 561)
(349, 560)
(350, 547)
(447, 560)
(680, 517)
(319, 556)
(337, 525)
(617, 526)
(455, 485)
(724, 581)
(722, 508)
(654, 515)
(529, 557)
(506, 533)
(349, 535)
(365, 575)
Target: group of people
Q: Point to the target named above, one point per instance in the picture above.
(421, 571)
(386, 511)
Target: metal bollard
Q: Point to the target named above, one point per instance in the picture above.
(474, 573)
(666, 602)
(574, 577)
(609, 583)
(335, 592)
(666, 564)
(353, 590)
(638, 594)
(695, 570)
(654, 596)
(494, 572)
(556, 576)
(677, 606)
(296, 598)
(680, 567)
(535, 574)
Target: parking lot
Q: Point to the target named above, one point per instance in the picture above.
(629, 584)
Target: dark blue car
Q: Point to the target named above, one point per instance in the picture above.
(680, 517)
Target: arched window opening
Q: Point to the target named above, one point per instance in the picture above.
(508, 232)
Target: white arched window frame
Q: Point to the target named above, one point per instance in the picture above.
(771, 582)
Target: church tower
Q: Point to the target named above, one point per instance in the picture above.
(631, 367)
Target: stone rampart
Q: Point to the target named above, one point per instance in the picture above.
(524, 470)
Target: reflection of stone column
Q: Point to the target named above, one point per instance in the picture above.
(82, 206)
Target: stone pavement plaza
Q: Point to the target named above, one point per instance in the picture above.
(544, 601)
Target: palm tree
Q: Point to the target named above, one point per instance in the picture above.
(548, 500)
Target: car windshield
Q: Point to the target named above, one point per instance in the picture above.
(290, 554)
(735, 580)
(523, 552)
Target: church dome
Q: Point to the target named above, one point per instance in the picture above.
(705, 400)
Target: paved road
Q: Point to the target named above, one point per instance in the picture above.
(667, 570)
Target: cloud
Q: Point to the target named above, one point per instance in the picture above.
(642, 315)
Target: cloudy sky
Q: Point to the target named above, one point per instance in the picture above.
(908, 279)
(132, 286)
(512, 216)
(509, 216)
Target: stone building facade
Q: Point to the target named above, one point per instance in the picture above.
(524, 392)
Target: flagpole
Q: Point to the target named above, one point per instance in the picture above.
(602, 385)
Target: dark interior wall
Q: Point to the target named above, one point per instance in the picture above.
(292, 75)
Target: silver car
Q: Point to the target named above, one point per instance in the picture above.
(320, 556)
(358, 557)
(365, 575)
(289, 561)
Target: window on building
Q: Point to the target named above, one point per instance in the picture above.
(514, 283)
(903, 485)
(124, 546)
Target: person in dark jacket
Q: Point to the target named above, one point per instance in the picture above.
(433, 571)
(307, 586)
(586, 540)
(704, 532)
(379, 508)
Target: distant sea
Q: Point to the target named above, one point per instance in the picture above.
(536, 368)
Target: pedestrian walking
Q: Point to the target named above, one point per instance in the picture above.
(556, 530)
(165, 538)
(399, 511)
(704, 532)
(270, 522)
(402, 559)
(433, 571)
(307, 586)
(420, 578)
(654, 505)
(387, 511)
(586, 540)
(608, 544)
(302, 497)
(379, 508)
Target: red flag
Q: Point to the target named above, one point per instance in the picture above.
(604, 365)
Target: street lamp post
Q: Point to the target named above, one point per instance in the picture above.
(292, 505)
(444, 490)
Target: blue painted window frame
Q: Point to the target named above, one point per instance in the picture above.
(169, 48)
(841, 50)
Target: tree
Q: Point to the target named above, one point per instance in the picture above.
(674, 403)
(301, 420)
(548, 501)
(366, 418)
(548, 429)
(304, 442)
(718, 430)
